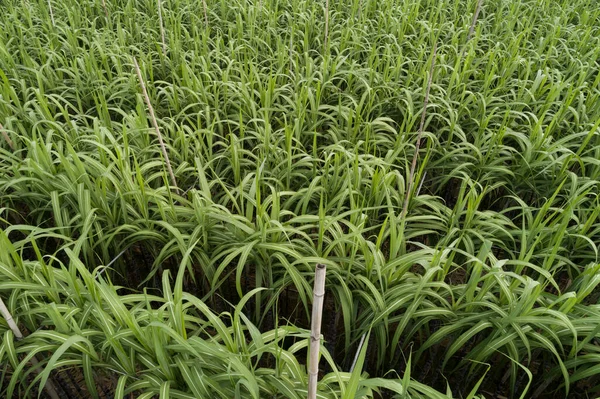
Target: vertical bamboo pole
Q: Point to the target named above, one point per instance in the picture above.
(413, 166)
(205, 13)
(162, 28)
(8, 317)
(8, 140)
(104, 8)
(475, 17)
(15, 329)
(163, 148)
(291, 48)
(315, 330)
(326, 22)
(472, 28)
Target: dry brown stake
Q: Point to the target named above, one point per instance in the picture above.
(475, 17)
(8, 140)
(326, 22)
(155, 124)
(162, 28)
(472, 28)
(205, 13)
(413, 166)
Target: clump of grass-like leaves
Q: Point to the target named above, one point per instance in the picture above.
(291, 130)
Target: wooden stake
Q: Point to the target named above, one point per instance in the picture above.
(162, 29)
(155, 124)
(15, 329)
(8, 140)
(475, 17)
(315, 330)
(291, 48)
(472, 28)
(413, 166)
(8, 317)
(326, 22)
(205, 13)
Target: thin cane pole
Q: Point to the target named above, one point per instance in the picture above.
(315, 331)
(15, 329)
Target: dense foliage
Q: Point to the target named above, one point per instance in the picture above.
(291, 128)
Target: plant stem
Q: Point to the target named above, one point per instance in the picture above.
(315, 330)
(51, 13)
(360, 345)
(155, 124)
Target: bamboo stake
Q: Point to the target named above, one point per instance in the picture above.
(10, 320)
(315, 331)
(8, 140)
(291, 48)
(326, 22)
(162, 28)
(413, 166)
(51, 13)
(104, 7)
(205, 12)
(475, 17)
(154, 123)
(15, 329)
(472, 28)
